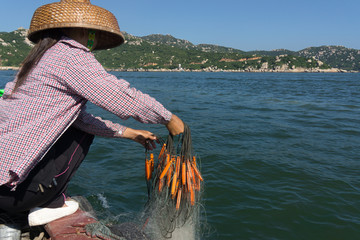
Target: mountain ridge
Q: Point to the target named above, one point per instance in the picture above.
(158, 51)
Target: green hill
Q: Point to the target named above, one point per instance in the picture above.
(13, 48)
(335, 56)
(165, 52)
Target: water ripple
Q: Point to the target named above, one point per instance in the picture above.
(279, 152)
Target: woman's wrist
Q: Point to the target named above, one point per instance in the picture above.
(175, 125)
(128, 133)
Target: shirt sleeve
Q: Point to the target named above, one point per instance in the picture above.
(88, 78)
(98, 126)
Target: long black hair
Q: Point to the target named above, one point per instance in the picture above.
(47, 39)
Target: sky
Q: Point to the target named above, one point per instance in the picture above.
(242, 24)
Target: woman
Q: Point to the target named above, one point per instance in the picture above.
(45, 132)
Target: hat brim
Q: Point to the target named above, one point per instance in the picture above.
(108, 38)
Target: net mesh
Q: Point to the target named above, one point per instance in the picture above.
(175, 186)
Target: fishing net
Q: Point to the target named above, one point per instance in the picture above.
(174, 185)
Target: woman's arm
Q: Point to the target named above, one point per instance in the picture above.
(88, 79)
(98, 126)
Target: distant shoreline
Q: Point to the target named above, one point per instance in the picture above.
(298, 70)
(9, 68)
(238, 71)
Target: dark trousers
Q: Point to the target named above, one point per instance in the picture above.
(46, 184)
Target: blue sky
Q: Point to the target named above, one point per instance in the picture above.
(241, 24)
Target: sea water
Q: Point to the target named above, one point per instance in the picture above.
(279, 153)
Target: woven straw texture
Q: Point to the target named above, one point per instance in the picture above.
(78, 14)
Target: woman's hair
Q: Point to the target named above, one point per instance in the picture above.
(47, 39)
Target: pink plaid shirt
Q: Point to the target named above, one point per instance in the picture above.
(53, 97)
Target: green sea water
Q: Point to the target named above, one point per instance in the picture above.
(279, 153)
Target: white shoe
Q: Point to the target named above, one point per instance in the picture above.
(9, 232)
(40, 216)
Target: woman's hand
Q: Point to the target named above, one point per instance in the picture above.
(143, 137)
(147, 139)
(175, 125)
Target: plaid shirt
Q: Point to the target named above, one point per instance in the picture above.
(53, 97)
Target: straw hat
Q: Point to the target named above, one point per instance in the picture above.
(77, 14)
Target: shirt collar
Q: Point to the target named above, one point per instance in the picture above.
(73, 43)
